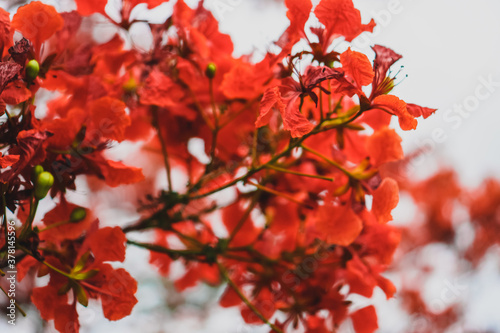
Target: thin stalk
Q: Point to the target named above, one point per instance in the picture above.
(161, 249)
(283, 195)
(55, 225)
(163, 147)
(326, 159)
(242, 220)
(15, 303)
(215, 130)
(273, 167)
(29, 222)
(245, 300)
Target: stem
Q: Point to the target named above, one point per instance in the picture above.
(283, 195)
(161, 249)
(55, 269)
(273, 167)
(243, 218)
(186, 237)
(321, 103)
(15, 303)
(55, 225)
(326, 159)
(27, 227)
(255, 170)
(9, 118)
(163, 147)
(197, 104)
(245, 300)
(254, 146)
(234, 115)
(215, 130)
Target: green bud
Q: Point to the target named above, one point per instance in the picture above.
(130, 85)
(211, 70)
(43, 184)
(37, 170)
(32, 69)
(77, 215)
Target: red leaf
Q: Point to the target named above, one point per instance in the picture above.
(151, 3)
(384, 59)
(107, 244)
(117, 173)
(61, 213)
(232, 216)
(229, 298)
(293, 120)
(387, 286)
(5, 34)
(119, 288)
(161, 261)
(265, 305)
(66, 319)
(419, 111)
(298, 14)
(384, 146)
(198, 272)
(7, 161)
(47, 300)
(37, 22)
(365, 320)
(160, 90)
(340, 17)
(8, 71)
(243, 81)
(20, 51)
(109, 118)
(357, 66)
(89, 7)
(15, 93)
(30, 151)
(339, 224)
(397, 107)
(271, 98)
(385, 199)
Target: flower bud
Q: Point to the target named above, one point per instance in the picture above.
(130, 86)
(211, 70)
(43, 184)
(78, 214)
(37, 170)
(32, 69)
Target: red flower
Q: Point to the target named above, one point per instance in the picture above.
(341, 18)
(286, 98)
(37, 22)
(89, 277)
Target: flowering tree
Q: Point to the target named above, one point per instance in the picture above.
(305, 130)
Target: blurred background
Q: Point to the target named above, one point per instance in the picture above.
(451, 62)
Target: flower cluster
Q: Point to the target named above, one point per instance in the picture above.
(302, 140)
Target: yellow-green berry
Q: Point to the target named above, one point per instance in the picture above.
(43, 184)
(32, 69)
(37, 170)
(78, 214)
(211, 70)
